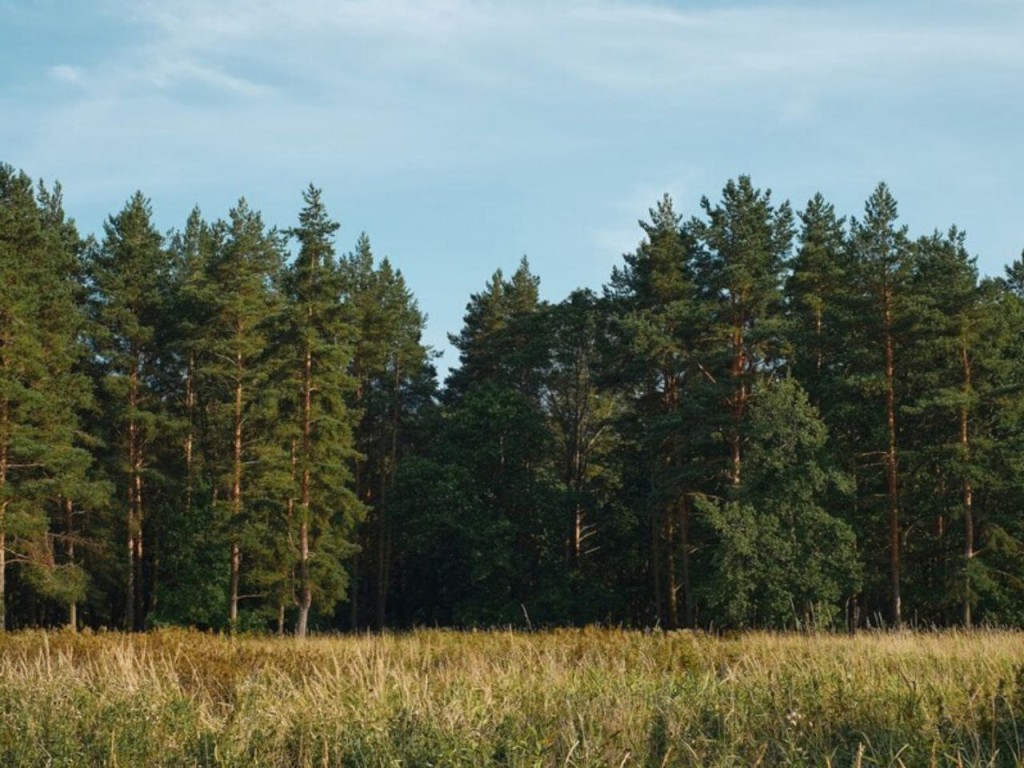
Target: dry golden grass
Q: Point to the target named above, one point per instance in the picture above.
(563, 698)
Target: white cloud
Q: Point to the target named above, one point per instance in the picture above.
(409, 90)
(65, 73)
(592, 46)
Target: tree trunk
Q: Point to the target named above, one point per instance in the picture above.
(574, 463)
(69, 528)
(137, 563)
(656, 565)
(968, 490)
(236, 498)
(3, 564)
(384, 547)
(363, 494)
(738, 371)
(131, 587)
(236, 569)
(684, 546)
(190, 405)
(891, 466)
(672, 588)
(819, 324)
(380, 586)
(306, 600)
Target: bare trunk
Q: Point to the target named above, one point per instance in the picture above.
(290, 512)
(577, 449)
(738, 371)
(684, 546)
(3, 565)
(133, 523)
(140, 584)
(384, 544)
(656, 565)
(968, 490)
(69, 528)
(302, 624)
(306, 600)
(672, 588)
(190, 405)
(577, 534)
(818, 332)
(380, 577)
(891, 467)
(236, 498)
(137, 559)
(129, 597)
(236, 569)
(362, 493)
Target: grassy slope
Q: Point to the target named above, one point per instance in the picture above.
(590, 697)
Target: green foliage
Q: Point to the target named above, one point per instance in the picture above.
(316, 351)
(129, 274)
(752, 426)
(392, 384)
(781, 560)
(43, 392)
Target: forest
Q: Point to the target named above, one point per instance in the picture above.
(766, 418)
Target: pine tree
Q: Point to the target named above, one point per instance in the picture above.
(43, 462)
(880, 272)
(236, 375)
(498, 340)
(955, 354)
(389, 363)
(320, 337)
(194, 552)
(815, 300)
(129, 274)
(495, 448)
(745, 245)
(582, 416)
(663, 325)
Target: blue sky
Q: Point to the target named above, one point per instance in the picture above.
(463, 134)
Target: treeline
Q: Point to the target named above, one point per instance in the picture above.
(764, 419)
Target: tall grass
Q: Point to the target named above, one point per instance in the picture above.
(564, 698)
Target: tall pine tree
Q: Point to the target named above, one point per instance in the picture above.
(129, 276)
(320, 340)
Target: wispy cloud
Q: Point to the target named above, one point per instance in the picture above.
(480, 120)
(65, 73)
(429, 84)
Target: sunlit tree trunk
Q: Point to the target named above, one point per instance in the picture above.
(236, 496)
(306, 596)
(891, 464)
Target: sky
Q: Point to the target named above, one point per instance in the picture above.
(461, 135)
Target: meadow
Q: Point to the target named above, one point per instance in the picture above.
(590, 697)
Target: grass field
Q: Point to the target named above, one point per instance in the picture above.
(564, 698)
